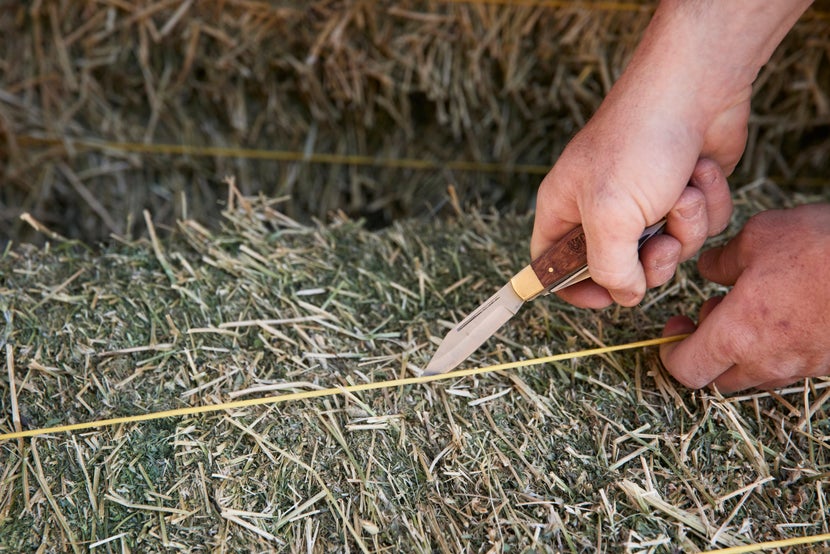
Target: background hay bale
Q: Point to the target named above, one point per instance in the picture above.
(597, 454)
(601, 454)
(440, 81)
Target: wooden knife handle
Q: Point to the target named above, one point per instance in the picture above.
(561, 260)
(563, 263)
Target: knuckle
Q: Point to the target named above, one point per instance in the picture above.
(738, 340)
(780, 371)
(690, 380)
(687, 372)
(698, 233)
(708, 173)
(760, 226)
(756, 223)
(625, 288)
(754, 233)
(610, 279)
(709, 178)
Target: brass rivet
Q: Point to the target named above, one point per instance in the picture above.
(550, 270)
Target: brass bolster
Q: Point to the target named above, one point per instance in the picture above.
(526, 284)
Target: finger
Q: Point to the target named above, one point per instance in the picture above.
(768, 372)
(688, 221)
(660, 256)
(735, 379)
(778, 383)
(707, 308)
(613, 256)
(586, 294)
(678, 325)
(723, 264)
(713, 348)
(741, 377)
(546, 231)
(681, 324)
(710, 179)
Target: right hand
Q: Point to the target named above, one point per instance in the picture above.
(683, 99)
(631, 166)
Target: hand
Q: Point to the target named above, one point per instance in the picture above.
(684, 97)
(771, 328)
(702, 210)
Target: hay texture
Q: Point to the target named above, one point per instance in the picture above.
(600, 454)
(498, 82)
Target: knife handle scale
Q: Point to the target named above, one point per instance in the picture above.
(562, 261)
(564, 264)
(567, 255)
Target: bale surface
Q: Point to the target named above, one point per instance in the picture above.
(598, 454)
(438, 81)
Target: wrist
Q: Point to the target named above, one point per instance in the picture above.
(705, 55)
(738, 36)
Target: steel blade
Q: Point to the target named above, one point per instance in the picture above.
(476, 328)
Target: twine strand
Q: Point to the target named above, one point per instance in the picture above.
(305, 395)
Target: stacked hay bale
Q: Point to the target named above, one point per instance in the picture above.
(482, 82)
(596, 454)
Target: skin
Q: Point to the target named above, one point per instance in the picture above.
(770, 329)
(660, 145)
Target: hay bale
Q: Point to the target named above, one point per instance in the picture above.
(602, 453)
(499, 83)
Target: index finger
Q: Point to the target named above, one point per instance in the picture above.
(711, 349)
(614, 259)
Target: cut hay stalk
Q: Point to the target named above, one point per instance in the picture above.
(43, 482)
(233, 518)
(328, 392)
(755, 456)
(112, 496)
(650, 499)
(13, 391)
(157, 249)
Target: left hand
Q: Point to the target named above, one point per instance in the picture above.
(771, 328)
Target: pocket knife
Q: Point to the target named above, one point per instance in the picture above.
(562, 265)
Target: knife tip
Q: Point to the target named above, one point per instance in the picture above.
(430, 370)
(438, 365)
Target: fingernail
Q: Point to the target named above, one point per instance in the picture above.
(626, 298)
(665, 262)
(691, 212)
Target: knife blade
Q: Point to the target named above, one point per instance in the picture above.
(560, 266)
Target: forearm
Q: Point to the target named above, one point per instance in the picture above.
(740, 34)
(705, 54)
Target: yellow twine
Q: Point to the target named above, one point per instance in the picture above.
(757, 547)
(286, 155)
(192, 410)
(587, 6)
(304, 157)
(397, 383)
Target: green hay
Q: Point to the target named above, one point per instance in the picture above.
(603, 454)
